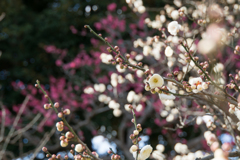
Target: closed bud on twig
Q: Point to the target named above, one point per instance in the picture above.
(64, 143)
(46, 96)
(60, 125)
(134, 141)
(200, 72)
(157, 89)
(69, 135)
(58, 156)
(62, 138)
(66, 157)
(78, 148)
(114, 62)
(132, 136)
(139, 139)
(109, 152)
(95, 154)
(140, 64)
(135, 132)
(54, 156)
(66, 111)
(130, 106)
(56, 105)
(44, 149)
(100, 34)
(147, 87)
(116, 47)
(175, 73)
(72, 151)
(132, 120)
(237, 48)
(109, 49)
(169, 75)
(196, 58)
(60, 114)
(36, 85)
(46, 106)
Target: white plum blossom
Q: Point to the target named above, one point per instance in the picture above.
(155, 81)
(106, 58)
(158, 155)
(113, 105)
(144, 153)
(218, 67)
(170, 117)
(173, 28)
(196, 84)
(100, 87)
(168, 51)
(117, 112)
(181, 148)
(88, 90)
(175, 14)
(160, 147)
(199, 120)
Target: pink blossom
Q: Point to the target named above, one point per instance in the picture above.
(112, 7)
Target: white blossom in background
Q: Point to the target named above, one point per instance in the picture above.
(164, 113)
(104, 99)
(168, 51)
(113, 105)
(218, 67)
(155, 81)
(175, 14)
(219, 155)
(170, 117)
(105, 58)
(117, 112)
(169, 96)
(126, 107)
(147, 50)
(160, 147)
(163, 18)
(88, 90)
(130, 77)
(120, 70)
(130, 96)
(99, 87)
(174, 27)
(181, 148)
(168, 103)
(139, 108)
(141, 9)
(199, 120)
(114, 79)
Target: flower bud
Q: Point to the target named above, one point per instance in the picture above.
(44, 149)
(135, 132)
(56, 105)
(78, 148)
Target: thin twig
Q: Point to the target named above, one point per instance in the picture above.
(14, 125)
